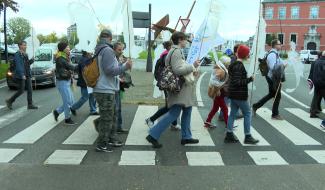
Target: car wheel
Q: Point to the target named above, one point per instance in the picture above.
(54, 81)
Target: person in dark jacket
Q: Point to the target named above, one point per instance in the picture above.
(22, 76)
(238, 94)
(319, 79)
(64, 71)
(315, 107)
(85, 95)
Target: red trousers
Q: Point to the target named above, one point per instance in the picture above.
(218, 102)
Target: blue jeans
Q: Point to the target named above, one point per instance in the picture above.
(118, 110)
(83, 99)
(227, 100)
(67, 97)
(171, 116)
(244, 107)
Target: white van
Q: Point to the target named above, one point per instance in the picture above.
(308, 56)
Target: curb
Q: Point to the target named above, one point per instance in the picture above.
(2, 81)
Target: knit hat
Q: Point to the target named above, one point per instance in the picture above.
(243, 52)
(105, 33)
(62, 46)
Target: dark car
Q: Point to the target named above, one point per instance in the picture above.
(43, 70)
(11, 53)
(75, 56)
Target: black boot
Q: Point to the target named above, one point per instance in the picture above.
(9, 104)
(32, 107)
(154, 142)
(231, 138)
(250, 140)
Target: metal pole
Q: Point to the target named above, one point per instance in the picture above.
(149, 58)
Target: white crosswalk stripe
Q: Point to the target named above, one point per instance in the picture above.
(34, 132)
(318, 155)
(12, 116)
(291, 132)
(66, 157)
(7, 154)
(139, 131)
(204, 159)
(85, 134)
(267, 158)
(198, 131)
(315, 122)
(138, 158)
(1, 106)
(239, 132)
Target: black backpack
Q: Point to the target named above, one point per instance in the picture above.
(319, 73)
(160, 64)
(263, 64)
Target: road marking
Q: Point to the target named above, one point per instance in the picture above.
(267, 158)
(198, 131)
(6, 154)
(318, 155)
(295, 100)
(204, 159)
(239, 132)
(138, 158)
(139, 130)
(34, 132)
(12, 116)
(306, 117)
(2, 86)
(85, 134)
(198, 91)
(291, 132)
(66, 157)
(2, 107)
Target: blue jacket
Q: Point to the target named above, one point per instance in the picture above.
(22, 65)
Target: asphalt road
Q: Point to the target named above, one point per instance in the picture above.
(37, 153)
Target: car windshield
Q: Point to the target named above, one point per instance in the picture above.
(313, 52)
(304, 52)
(43, 55)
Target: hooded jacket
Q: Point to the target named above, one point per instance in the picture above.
(109, 69)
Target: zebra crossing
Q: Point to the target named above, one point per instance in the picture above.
(137, 151)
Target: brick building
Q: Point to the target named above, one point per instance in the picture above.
(300, 21)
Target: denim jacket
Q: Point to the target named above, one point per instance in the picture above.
(22, 65)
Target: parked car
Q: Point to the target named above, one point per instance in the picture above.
(11, 52)
(75, 56)
(43, 69)
(308, 56)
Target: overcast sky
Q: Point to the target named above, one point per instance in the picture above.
(238, 17)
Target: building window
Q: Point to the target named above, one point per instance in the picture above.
(282, 13)
(281, 38)
(269, 13)
(295, 12)
(293, 38)
(314, 12)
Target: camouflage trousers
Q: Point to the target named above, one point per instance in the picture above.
(106, 122)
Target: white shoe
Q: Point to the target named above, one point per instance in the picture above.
(175, 128)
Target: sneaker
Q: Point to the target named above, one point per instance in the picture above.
(74, 112)
(322, 125)
(56, 115)
(94, 113)
(149, 123)
(250, 140)
(69, 122)
(189, 141)
(154, 142)
(32, 107)
(277, 117)
(122, 131)
(231, 138)
(209, 125)
(115, 143)
(9, 104)
(103, 148)
(175, 128)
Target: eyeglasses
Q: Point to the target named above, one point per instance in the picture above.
(279, 44)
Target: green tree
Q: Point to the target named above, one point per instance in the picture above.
(52, 38)
(13, 5)
(41, 38)
(18, 30)
(64, 38)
